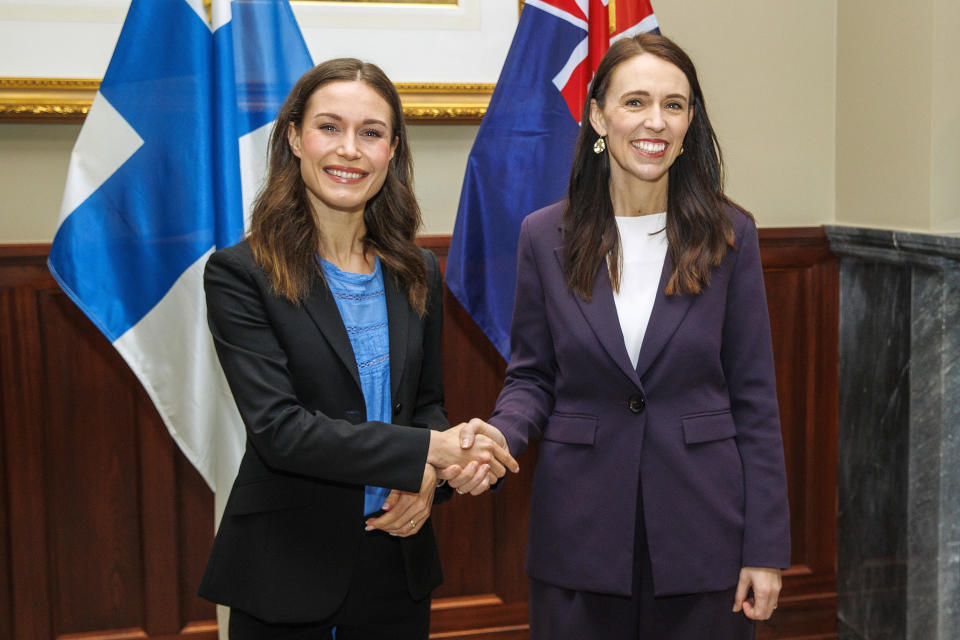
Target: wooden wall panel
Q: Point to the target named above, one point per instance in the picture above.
(108, 525)
(6, 593)
(91, 466)
(21, 351)
(194, 504)
(802, 277)
(484, 586)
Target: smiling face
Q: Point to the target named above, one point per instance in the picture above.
(645, 116)
(345, 144)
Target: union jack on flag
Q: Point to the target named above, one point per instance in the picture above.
(603, 22)
(520, 161)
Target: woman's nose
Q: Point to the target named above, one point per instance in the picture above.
(654, 120)
(348, 148)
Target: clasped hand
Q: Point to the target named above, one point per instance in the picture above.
(471, 456)
(407, 512)
(478, 471)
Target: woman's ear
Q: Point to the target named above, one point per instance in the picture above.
(293, 138)
(596, 118)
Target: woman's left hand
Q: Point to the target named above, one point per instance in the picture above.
(406, 512)
(766, 590)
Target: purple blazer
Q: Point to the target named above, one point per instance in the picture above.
(695, 426)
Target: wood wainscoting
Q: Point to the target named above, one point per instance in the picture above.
(105, 526)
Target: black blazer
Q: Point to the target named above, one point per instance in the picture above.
(288, 541)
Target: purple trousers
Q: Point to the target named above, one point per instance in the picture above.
(563, 614)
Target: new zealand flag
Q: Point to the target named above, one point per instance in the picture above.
(521, 158)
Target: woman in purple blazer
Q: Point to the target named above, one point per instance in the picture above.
(641, 357)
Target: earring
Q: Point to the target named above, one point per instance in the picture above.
(681, 149)
(599, 146)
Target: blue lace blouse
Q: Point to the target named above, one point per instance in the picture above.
(362, 303)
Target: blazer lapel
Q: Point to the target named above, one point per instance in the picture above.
(601, 315)
(667, 313)
(398, 319)
(322, 308)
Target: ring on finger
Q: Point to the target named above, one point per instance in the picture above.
(413, 523)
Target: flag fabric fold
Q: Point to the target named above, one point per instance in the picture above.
(159, 178)
(520, 160)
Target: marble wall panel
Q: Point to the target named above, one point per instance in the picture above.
(873, 451)
(899, 442)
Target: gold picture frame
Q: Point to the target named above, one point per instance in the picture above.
(46, 99)
(67, 100)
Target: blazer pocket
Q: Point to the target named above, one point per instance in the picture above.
(571, 429)
(269, 495)
(708, 427)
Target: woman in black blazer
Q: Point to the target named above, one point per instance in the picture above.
(327, 322)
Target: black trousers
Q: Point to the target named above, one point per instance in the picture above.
(563, 614)
(378, 605)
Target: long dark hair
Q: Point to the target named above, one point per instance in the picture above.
(698, 231)
(284, 235)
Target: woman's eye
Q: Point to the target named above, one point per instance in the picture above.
(372, 133)
(634, 102)
(674, 105)
(327, 127)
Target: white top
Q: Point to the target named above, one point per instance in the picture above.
(643, 245)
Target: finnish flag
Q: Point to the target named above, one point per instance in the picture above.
(164, 172)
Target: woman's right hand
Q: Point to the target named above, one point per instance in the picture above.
(488, 448)
(475, 478)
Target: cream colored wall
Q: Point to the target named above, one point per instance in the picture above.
(945, 120)
(898, 119)
(828, 111)
(883, 114)
(33, 169)
(767, 68)
(439, 161)
(34, 159)
(767, 72)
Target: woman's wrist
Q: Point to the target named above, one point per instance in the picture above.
(432, 447)
(436, 456)
(431, 477)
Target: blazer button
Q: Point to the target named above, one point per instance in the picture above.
(396, 409)
(636, 403)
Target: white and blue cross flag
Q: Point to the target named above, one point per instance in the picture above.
(163, 173)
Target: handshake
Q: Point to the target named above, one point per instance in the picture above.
(471, 456)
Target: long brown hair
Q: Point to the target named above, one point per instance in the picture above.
(698, 231)
(284, 235)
